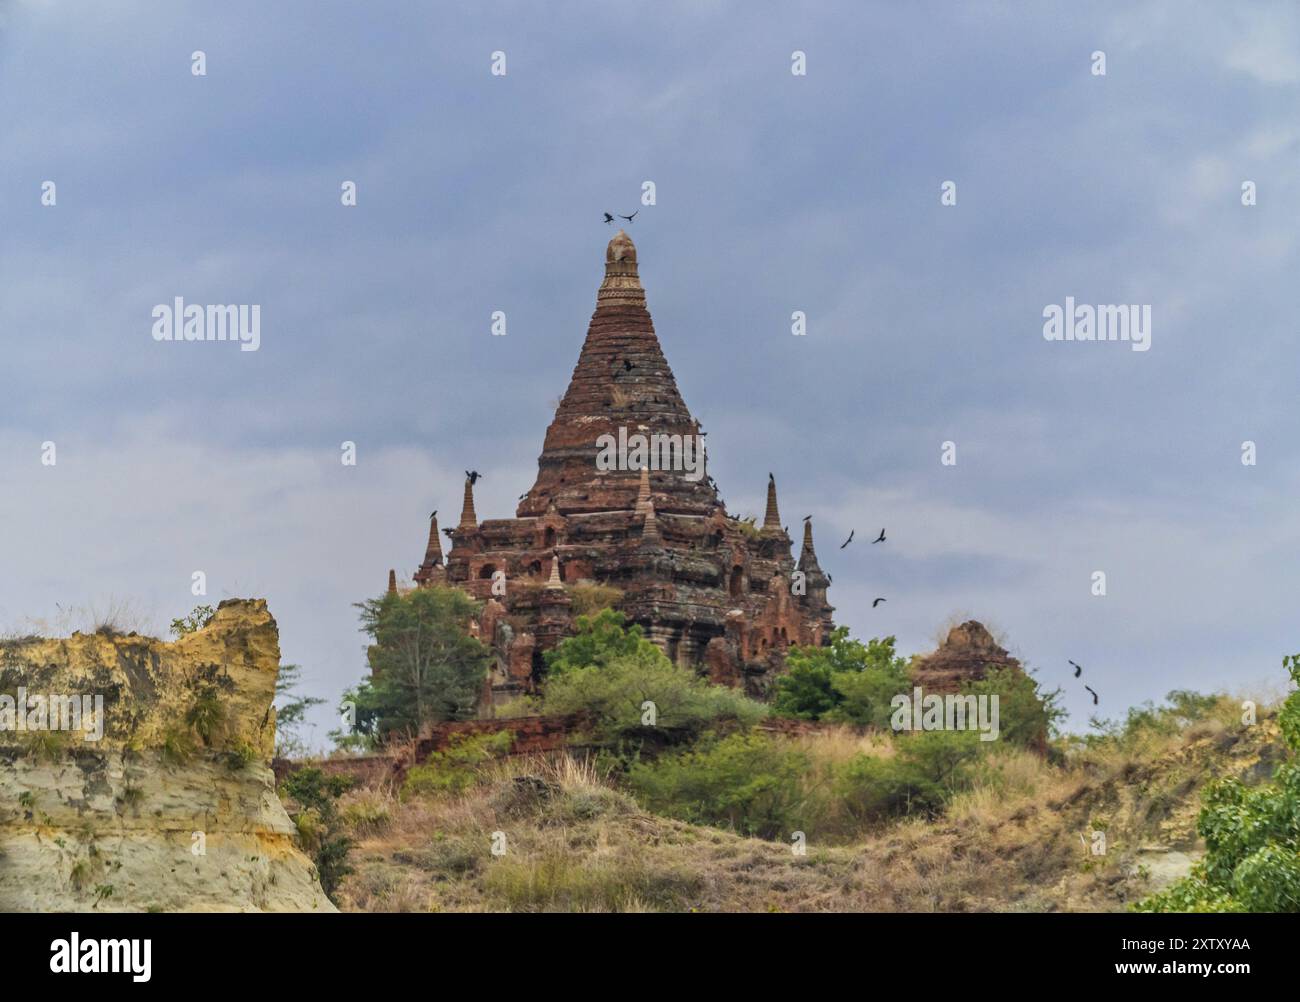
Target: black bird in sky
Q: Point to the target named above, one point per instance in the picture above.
(608, 218)
(806, 517)
(435, 513)
(880, 538)
(829, 579)
(523, 495)
(876, 602)
(849, 540)
(628, 218)
(473, 476)
(1078, 668)
(1094, 695)
(448, 532)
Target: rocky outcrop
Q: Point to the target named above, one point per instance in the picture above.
(158, 795)
(965, 656)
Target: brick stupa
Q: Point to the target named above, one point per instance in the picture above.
(713, 592)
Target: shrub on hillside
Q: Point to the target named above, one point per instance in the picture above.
(926, 771)
(750, 783)
(321, 828)
(1027, 715)
(846, 681)
(644, 695)
(455, 768)
(1252, 838)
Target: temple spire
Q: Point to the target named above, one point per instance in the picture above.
(643, 492)
(432, 563)
(772, 517)
(468, 519)
(622, 284)
(554, 582)
(808, 556)
(392, 582)
(650, 526)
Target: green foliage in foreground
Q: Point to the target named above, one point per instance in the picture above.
(846, 681)
(749, 783)
(597, 641)
(1252, 838)
(631, 691)
(453, 770)
(424, 666)
(320, 828)
(770, 787)
(644, 696)
(1027, 715)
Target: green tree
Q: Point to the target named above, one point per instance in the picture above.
(424, 665)
(597, 641)
(846, 680)
(291, 712)
(199, 617)
(1027, 715)
(1252, 838)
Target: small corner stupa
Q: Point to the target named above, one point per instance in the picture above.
(713, 592)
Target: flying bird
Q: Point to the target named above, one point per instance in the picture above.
(448, 532)
(876, 602)
(849, 540)
(829, 579)
(435, 513)
(523, 495)
(1094, 695)
(472, 476)
(1078, 668)
(880, 538)
(628, 218)
(807, 517)
(608, 218)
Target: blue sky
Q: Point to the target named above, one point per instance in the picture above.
(775, 193)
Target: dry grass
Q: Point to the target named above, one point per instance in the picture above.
(1018, 840)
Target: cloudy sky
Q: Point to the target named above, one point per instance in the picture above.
(775, 193)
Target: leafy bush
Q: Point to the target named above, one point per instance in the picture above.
(454, 769)
(615, 695)
(207, 716)
(846, 681)
(198, 618)
(750, 783)
(1252, 838)
(923, 775)
(1027, 715)
(321, 829)
(598, 640)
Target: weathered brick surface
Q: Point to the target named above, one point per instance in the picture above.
(713, 593)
